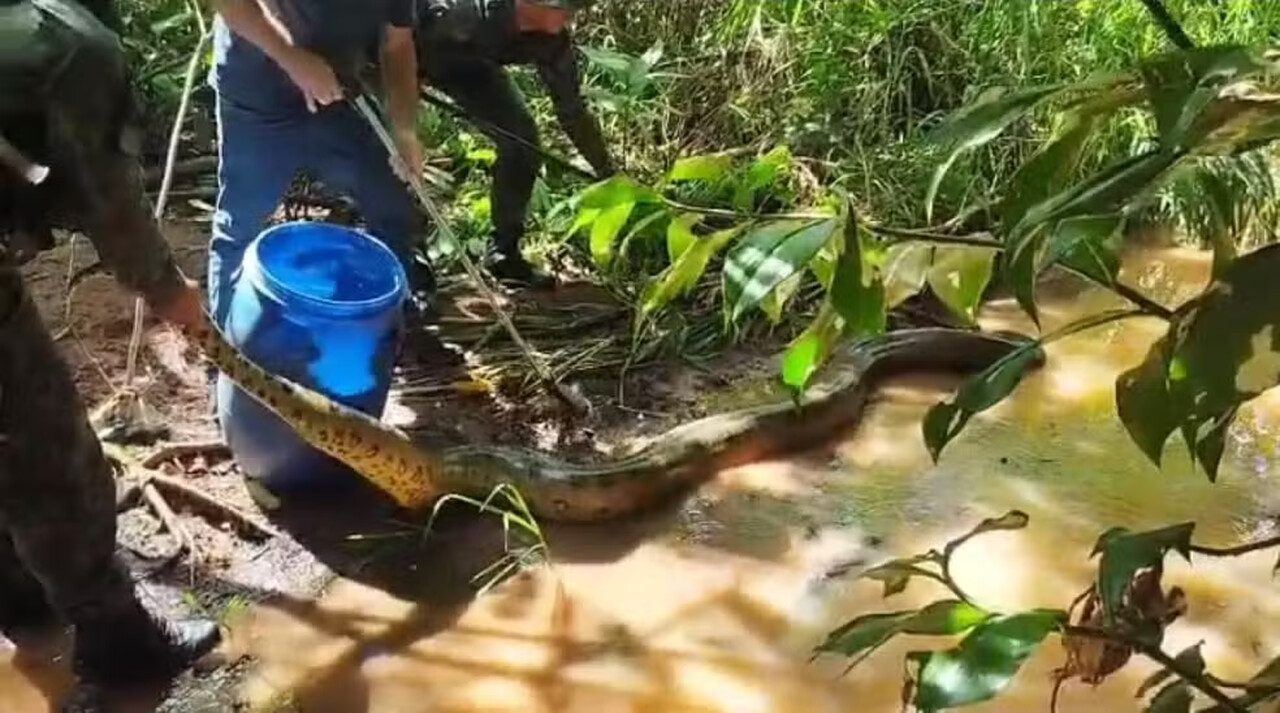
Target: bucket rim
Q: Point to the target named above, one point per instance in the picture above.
(263, 278)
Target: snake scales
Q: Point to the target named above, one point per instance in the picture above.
(557, 490)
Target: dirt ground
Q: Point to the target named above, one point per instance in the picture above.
(435, 398)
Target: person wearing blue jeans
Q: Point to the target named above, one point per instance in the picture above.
(279, 76)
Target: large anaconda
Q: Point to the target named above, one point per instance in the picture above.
(557, 490)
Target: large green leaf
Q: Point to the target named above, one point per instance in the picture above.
(867, 633)
(897, 574)
(1220, 353)
(857, 292)
(1181, 85)
(680, 235)
(685, 272)
(766, 257)
(1174, 698)
(959, 276)
(1090, 245)
(614, 191)
(604, 232)
(984, 662)
(776, 301)
(1125, 553)
(979, 123)
(944, 421)
(906, 268)
(1107, 192)
(1050, 168)
(763, 173)
(1189, 660)
(811, 349)
(1012, 520)
(710, 168)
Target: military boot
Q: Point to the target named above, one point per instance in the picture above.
(23, 604)
(509, 267)
(138, 647)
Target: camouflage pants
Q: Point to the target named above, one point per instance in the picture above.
(57, 493)
(486, 92)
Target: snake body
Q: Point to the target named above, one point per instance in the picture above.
(561, 491)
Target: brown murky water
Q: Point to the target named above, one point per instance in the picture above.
(718, 612)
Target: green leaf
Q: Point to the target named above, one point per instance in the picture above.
(1048, 171)
(856, 291)
(777, 301)
(766, 257)
(896, 574)
(865, 634)
(585, 217)
(1124, 554)
(616, 191)
(984, 662)
(810, 350)
(959, 276)
(1104, 193)
(605, 231)
(1174, 698)
(680, 234)
(1220, 352)
(709, 168)
(1012, 520)
(1181, 85)
(685, 272)
(1146, 407)
(1090, 244)
(1189, 660)
(944, 421)
(905, 271)
(979, 123)
(762, 174)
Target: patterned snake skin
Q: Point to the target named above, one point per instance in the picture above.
(558, 490)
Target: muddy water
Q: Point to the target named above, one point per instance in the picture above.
(716, 609)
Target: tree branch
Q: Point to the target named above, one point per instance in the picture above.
(1195, 680)
(1238, 550)
(1171, 28)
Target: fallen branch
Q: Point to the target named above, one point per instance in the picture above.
(174, 451)
(171, 521)
(198, 497)
(149, 478)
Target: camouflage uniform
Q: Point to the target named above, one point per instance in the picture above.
(65, 102)
(463, 47)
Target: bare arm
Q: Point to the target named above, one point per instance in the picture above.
(563, 80)
(399, 64)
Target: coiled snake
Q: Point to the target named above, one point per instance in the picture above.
(557, 490)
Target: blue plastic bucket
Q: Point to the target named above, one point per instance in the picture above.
(320, 305)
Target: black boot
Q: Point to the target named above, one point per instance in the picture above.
(510, 267)
(139, 648)
(23, 605)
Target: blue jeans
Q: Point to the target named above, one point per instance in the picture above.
(260, 152)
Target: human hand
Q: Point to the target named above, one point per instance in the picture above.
(409, 147)
(185, 310)
(313, 76)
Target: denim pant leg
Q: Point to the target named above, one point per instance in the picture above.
(347, 155)
(258, 156)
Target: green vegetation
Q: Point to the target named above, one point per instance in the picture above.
(804, 166)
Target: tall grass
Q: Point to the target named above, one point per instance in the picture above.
(856, 84)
